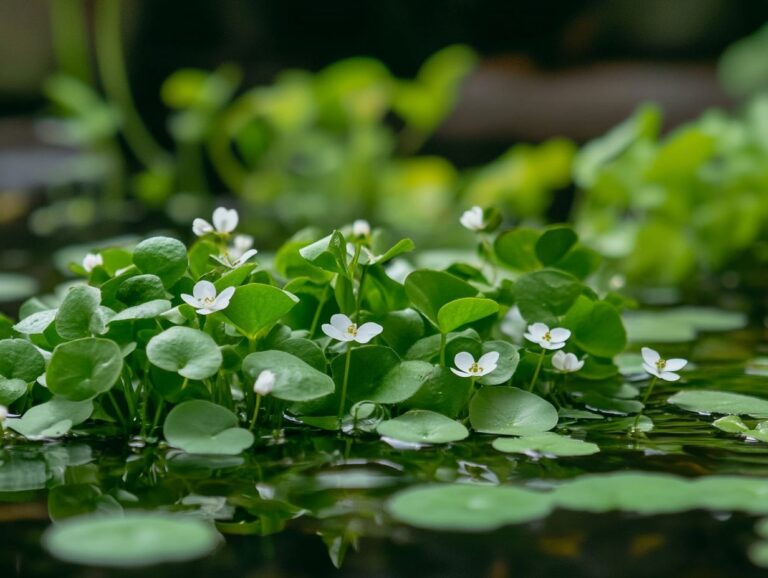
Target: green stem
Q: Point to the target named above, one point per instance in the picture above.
(256, 408)
(118, 411)
(360, 292)
(318, 311)
(443, 341)
(538, 369)
(158, 413)
(343, 400)
(648, 392)
(111, 64)
(70, 38)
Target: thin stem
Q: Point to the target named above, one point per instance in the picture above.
(360, 292)
(647, 394)
(118, 411)
(318, 311)
(158, 413)
(538, 369)
(255, 412)
(443, 341)
(343, 400)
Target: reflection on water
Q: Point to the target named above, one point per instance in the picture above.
(298, 503)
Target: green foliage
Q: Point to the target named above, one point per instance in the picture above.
(720, 402)
(84, 368)
(295, 380)
(202, 427)
(186, 351)
(422, 426)
(510, 411)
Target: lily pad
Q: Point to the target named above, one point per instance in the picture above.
(720, 402)
(510, 411)
(422, 426)
(51, 419)
(546, 443)
(131, 540)
(202, 427)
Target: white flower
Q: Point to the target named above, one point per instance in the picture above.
(661, 368)
(3, 413)
(361, 228)
(566, 362)
(205, 299)
(241, 244)
(546, 337)
(342, 329)
(398, 270)
(91, 261)
(224, 221)
(468, 367)
(265, 383)
(473, 219)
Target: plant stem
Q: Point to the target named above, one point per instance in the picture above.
(538, 369)
(343, 400)
(318, 311)
(255, 412)
(118, 411)
(158, 413)
(70, 38)
(360, 292)
(443, 341)
(648, 392)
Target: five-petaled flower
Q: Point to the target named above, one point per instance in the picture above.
(547, 338)
(205, 299)
(361, 228)
(473, 219)
(661, 368)
(342, 329)
(468, 367)
(91, 261)
(566, 362)
(265, 382)
(224, 222)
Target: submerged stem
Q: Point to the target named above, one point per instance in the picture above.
(343, 400)
(538, 369)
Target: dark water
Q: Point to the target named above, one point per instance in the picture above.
(295, 502)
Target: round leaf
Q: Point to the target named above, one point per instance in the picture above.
(256, 307)
(162, 256)
(516, 249)
(76, 312)
(202, 427)
(19, 359)
(422, 426)
(509, 357)
(148, 310)
(430, 290)
(544, 295)
(554, 243)
(186, 351)
(459, 312)
(510, 411)
(546, 443)
(720, 402)
(51, 419)
(84, 368)
(295, 380)
(597, 327)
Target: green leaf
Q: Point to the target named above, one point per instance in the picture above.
(148, 310)
(329, 253)
(84, 368)
(554, 243)
(517, 249)
(295, 380)
(679, 324)
(421, 426)
(11, 390)
(19, 359)
(255, 308)
(459, 312)
(36, 322)
(51, 419)
(546, 443)
(139, 289)
(545, 295)
(430, 290)
(131, 540)
(731, 424)
(186, 351)
(506, 366)
(202, 427)
(77, 311)
(597, 327)
(442, 392)
(720, 402)
(400, 383)
(162, 256)
(510, 411)
(467, 507)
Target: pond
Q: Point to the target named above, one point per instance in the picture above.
(301, 504)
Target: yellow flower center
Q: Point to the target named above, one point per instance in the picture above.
(209, 300)
(661, 364)
(475, 368)
(547, 337)
(352, 330)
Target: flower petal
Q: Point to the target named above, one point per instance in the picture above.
(341, 322)
(205, 311)
(550, 345)
(650, 356)
(560, 334)
(368, 331)
(559, 360)
(201, 227)
(189, 300)
(244, 257)
(460, 373)
(489, 359)
(651, 369)
(669, 376)
(538, 330)
(675, 364)
(222, 300)
(204, 289)
(334, 333)
(463, 360)
(225, 220)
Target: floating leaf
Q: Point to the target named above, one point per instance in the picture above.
(546, 443)
(202, 427)
(131, 540)
(510, 411)
(51, 419)
(720, 402)
(295, 380)
(422, 426)
(679, 324)
(84, 368)
(186, 351)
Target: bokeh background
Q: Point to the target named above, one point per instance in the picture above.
(643, 123)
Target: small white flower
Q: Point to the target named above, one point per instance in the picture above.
(3, 413)
(91, 261)
(566, 362)
(661, 368)
(342, 329)
(398, 270)
(473, 219)
(205, 299)
(547, 338)
(468, 367)
(224, 221)
(265, 383)
(361, 228)
(241, 244)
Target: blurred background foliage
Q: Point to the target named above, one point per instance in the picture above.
(146, 121)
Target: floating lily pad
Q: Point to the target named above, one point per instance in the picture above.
(546, 443)
(422, 426)
(720, 402)
(679, 324)
(51, 419)
(202, 427)
(131, 540)
(510, 411)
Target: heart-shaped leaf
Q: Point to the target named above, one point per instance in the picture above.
(202, 427)
(255, 308)
(186, 351)
(422, 426)
(295, 380)
(51, 419)
(510, 411)
(84, 368)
